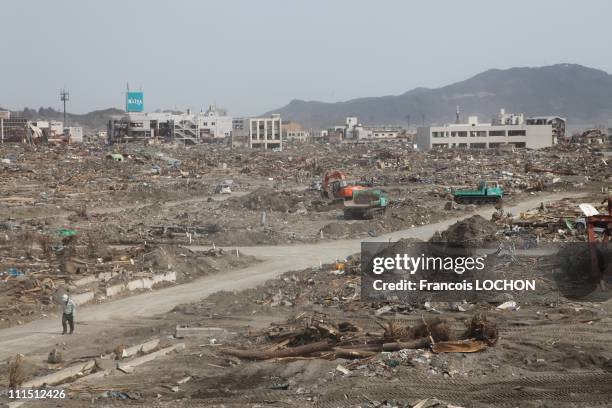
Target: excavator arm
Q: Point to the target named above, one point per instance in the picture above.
(331, 178)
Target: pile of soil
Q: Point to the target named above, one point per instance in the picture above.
(189, 264)
(473, 231)
(266, 199)
(342, 230)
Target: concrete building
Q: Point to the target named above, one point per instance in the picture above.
(558, 124)
(74, 134)
(14, 129)
(188, 128)
(503, 118)
(355, 131)
(53, 129)
(258, 133)
(334, 135)
(214, 123)
(21, 130)
(137, 126)
(301, 136)
(384, 132)
(508, 129)
(292, 131)
(290, 126)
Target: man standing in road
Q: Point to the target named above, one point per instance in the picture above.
(68, 315)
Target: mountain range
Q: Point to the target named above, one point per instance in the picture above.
(578, 93)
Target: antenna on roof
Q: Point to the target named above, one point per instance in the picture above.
(457, 115)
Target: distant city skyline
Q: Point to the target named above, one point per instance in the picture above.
(255, 56)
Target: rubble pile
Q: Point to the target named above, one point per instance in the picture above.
(160, 196)
(472, 231)
(266, 199)
(46, 264)
(559, 221)
(158, 188)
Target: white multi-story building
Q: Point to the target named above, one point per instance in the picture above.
(507, 129)
(185, 127)
(258, 133)
(384, 132)
(353, 130)
(503, 118)
(214, 123)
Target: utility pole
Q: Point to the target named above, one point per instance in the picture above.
(64, 97)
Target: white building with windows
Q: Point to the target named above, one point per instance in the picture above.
(301, 136)
(214, 123)
(384, 132)
(505, 129)
(353, 130)
(258, 133)
(185, 127)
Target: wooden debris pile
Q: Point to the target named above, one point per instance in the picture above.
(315, 336)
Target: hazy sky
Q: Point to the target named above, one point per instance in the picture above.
(251, 56)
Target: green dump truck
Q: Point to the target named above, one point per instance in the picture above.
(487, 192)
(365, 204)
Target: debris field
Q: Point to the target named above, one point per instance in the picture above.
(104, 224)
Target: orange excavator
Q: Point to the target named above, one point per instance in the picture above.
(335, 186)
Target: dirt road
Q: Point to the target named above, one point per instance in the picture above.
(43, 334)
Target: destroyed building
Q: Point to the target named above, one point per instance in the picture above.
(188, 128)
(353, 130)
(557, 123)
(18, 129)
(293, 132)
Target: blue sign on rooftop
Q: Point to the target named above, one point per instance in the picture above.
(134, 102)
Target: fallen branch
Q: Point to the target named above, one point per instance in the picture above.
(348, 353)
(289, 352)
(460, 346)
(424, 342)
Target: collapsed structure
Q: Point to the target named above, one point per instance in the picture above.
(18, 129)
(188, 128)
(353, 130)
(214, 125)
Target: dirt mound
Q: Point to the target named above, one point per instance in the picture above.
(475, 230)
(189, 264)
(266, 199)
(342, 230)
(181, 260)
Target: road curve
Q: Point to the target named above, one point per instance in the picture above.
(43, 334)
